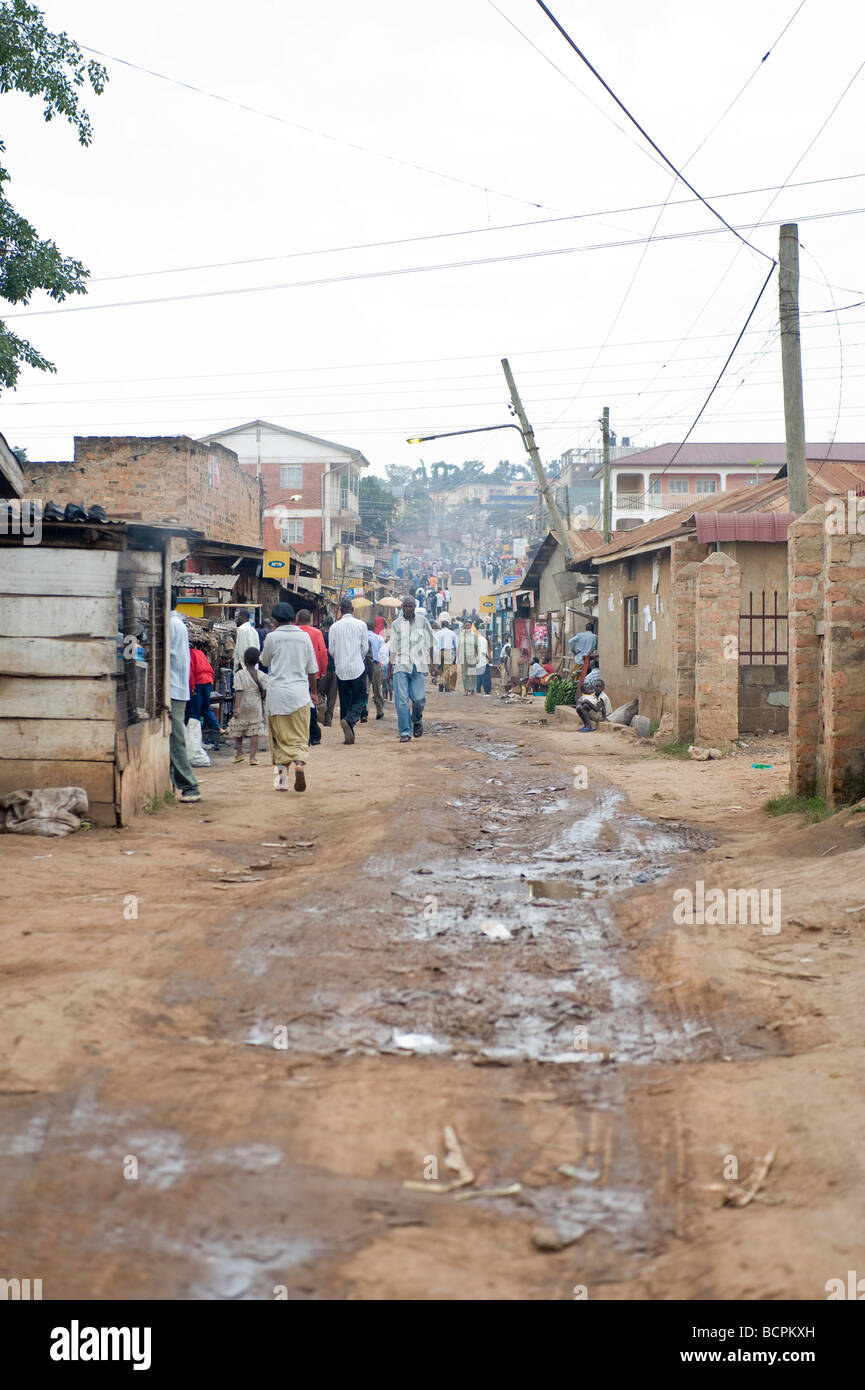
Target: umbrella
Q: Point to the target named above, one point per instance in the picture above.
(389, 603)
(361, 603)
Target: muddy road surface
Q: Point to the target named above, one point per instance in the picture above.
(331, 1009)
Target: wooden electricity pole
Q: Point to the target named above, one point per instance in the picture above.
(532, 450)
(607, 518)
(791, 367)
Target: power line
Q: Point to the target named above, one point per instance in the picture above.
(310, 130)
(679, 175)
(404, 270)
(763, 289)
(467, 231)
(638, 267)
(773, 199)
(571, 83)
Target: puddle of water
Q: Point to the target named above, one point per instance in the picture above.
(557, 889)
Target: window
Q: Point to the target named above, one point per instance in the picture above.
(292, 531)
(632, 618)
(654, 487)
(291, 475)
(707, 485)
(343, 493)
(678, 484)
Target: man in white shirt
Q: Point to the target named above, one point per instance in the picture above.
(182, 775)
(482, 670)
(412, 654)
(348, 644)
(246, 637)
(292, 665)
(445, 654)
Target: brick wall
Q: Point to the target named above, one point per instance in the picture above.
(805, 569)
(685, 556)
(160, 480)
(827, 660)
(309, 495)
(716, 673)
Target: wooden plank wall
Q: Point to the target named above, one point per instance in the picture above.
(58, 636)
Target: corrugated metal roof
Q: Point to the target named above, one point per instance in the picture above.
(206, 581)
(744, 526)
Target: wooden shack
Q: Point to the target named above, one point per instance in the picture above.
(84, 693)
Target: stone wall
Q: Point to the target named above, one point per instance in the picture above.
(764, 699)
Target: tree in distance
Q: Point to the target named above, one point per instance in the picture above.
(52, 67)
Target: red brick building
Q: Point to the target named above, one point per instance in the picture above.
(305, 481)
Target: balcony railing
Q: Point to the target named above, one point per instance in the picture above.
(658, 501)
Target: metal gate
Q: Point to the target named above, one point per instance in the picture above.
(763, 632)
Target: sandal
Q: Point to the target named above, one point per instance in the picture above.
(253, 762)
(238, 758)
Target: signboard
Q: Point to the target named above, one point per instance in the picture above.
(521, 545)
(354, 591)
(511, 578)
(487, 603)
(276, 565)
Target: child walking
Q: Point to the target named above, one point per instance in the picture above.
(250, 686)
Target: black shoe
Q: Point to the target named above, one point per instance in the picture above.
(364, 718)
(380, 716)
(96, 513)
(51, 512)
(417, 730)
(74, 512)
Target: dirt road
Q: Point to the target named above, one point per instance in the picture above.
(235, 1032)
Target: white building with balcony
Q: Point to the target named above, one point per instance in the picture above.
(649, 483)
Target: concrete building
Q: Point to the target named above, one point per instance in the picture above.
(667, 478)
(308, 485)
(693, 609)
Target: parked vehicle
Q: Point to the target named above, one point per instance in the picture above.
(461, 577)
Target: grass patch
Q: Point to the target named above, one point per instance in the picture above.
(675, 748)
(813, 808)
(654, 726)
(153, 806)
(169, 798)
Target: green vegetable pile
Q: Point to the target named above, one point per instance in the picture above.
(561, 691)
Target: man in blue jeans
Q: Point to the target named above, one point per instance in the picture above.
(411, 654)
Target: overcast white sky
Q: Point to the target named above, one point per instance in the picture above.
(174, 179)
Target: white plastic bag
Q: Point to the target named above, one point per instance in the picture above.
(197, 755)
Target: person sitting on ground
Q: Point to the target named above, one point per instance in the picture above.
(539, 676)
(593, 677)
(593, 709)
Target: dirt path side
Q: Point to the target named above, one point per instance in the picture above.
(152, 1037)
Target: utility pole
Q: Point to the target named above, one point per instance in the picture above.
(791, 367)
(607, 519)
(532, 450)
